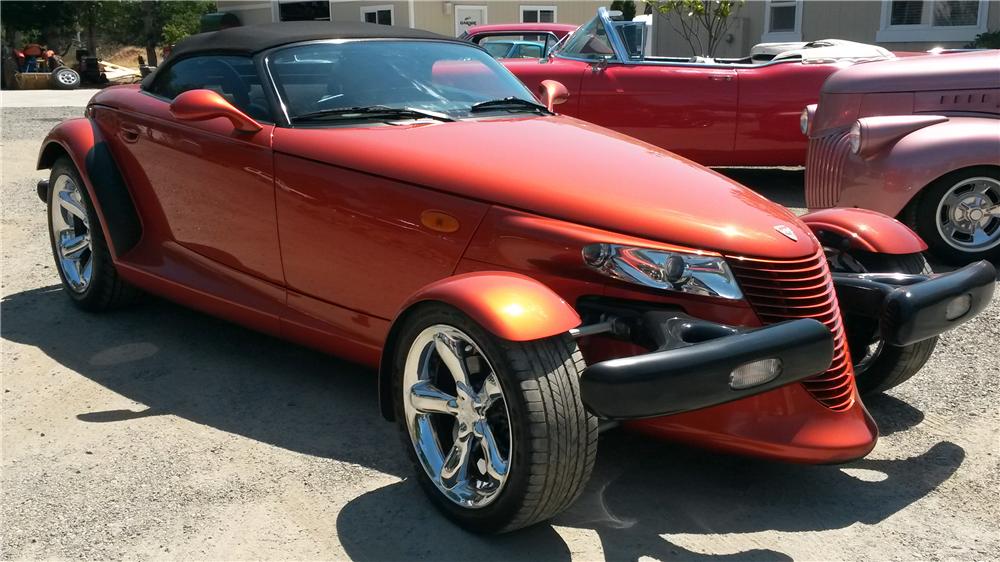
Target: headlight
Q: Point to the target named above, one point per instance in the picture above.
(661, 269)
(854, 137)
(804, 122)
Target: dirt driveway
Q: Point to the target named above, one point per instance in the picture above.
(158, 432)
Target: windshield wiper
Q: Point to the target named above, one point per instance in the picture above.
(510, 103)
(372, 111)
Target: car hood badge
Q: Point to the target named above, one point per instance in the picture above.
(787, 232)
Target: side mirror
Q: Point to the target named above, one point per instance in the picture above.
(552, 93)
(201, 105)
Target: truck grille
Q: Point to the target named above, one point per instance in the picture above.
(824, 167)
(781, 290)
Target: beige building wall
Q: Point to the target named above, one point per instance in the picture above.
(432, 15)
(852, 20)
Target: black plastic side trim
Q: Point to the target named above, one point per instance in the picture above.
(697, 374)
(113, 197)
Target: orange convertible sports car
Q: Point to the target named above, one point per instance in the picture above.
(363, 189)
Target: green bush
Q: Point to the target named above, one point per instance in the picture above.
(988, 40)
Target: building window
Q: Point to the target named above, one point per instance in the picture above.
(538, 14)
(932, 20)
(304, 11)
(381, 15)
(782, 20)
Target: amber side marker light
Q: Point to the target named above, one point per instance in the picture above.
(754, 373)
(439, 221)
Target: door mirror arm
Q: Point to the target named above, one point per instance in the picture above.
(202, 105)
(599, 65)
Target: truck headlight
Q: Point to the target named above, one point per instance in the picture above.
(699, 274)
(806, 118)
(854, 137)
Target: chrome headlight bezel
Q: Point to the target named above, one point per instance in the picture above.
(695, 273)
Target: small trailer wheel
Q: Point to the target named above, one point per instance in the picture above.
(496, 430)
(64, 78)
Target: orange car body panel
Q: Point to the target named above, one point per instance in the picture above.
(345, 238)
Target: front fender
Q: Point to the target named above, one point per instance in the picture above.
(509, 305)
(892, 176)
(865, 230)
(81, 140)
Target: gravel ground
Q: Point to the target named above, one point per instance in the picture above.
(158, 432)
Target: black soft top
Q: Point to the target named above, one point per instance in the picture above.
(251, 39)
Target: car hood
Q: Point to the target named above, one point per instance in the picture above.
(960, 71)
(568, 169)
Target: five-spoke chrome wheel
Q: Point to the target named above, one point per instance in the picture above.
(457, 416)
(968, 216)
(71, 233)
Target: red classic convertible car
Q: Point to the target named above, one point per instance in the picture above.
(327, 183)
(717, 112)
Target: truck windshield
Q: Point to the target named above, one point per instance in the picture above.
(323, 80)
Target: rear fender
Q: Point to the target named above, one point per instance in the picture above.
(861, 229)
(510, 306)
(81, 140)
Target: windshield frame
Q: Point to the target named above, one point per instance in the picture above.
(284, 119)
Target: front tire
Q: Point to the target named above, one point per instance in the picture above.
(82, 257)
(958, 215)
(879, 366)
(496, 430)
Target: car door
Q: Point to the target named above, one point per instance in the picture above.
(213, 185)
(689, 108)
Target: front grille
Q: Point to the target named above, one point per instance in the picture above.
(780, 290)
(824, 168)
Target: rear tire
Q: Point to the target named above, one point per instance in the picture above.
(934, 214)
(82, 257)
(877, 365)
(544, 436)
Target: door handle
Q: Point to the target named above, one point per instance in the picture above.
(130, 133)
(720, 77)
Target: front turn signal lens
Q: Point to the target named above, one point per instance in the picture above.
(754, 373)
(958, 307)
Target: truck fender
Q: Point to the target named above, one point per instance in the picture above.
(865, 230)
(509, 305)
(930, 152)
(81, 140)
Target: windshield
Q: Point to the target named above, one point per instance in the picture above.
(590, 41)
(447, 78)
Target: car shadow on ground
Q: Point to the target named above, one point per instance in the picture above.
(179, 362)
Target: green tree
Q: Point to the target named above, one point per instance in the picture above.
(702, 23)
(627, 8)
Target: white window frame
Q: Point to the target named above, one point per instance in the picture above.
(530, 8)
(380, 8)
(927, 31)
(782, 36)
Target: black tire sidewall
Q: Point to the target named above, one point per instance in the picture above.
(488, 518)
(925, 218)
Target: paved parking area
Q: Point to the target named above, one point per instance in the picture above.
(158, 432)
(46, 98)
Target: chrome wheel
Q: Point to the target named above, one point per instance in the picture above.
(968, 216)
(457, 416)
(71, 234)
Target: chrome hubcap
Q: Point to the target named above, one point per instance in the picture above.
(66, 78)
(968, 216)
(457, 416)
(71, 232)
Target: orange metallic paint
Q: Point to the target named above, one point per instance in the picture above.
(202, 105)
(867, 230)
(355, 251)
(512, 306)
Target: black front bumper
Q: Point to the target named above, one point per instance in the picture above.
(911, 308)
(696, 360)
